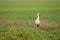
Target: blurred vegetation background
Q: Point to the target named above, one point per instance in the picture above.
(17, 19)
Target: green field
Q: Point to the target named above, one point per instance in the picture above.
(17, 19)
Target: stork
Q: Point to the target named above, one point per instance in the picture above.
(37, 21)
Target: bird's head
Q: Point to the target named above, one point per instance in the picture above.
(38, 14)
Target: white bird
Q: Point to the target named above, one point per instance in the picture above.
(37, 21)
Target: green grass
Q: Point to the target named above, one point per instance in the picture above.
(17, 20)
(28, 10)
(28, 33)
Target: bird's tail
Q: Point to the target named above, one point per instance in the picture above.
(38, 25)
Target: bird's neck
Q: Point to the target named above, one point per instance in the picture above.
(38, 17)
